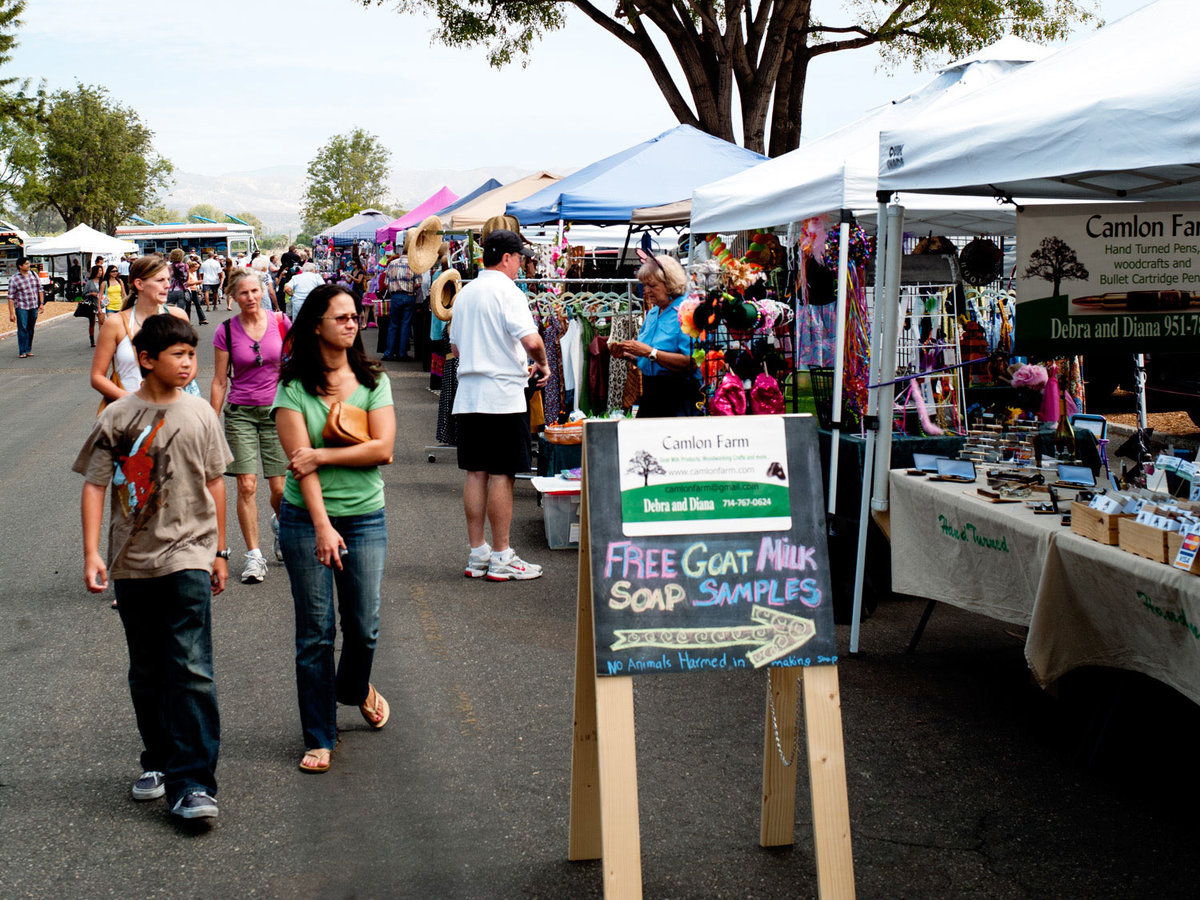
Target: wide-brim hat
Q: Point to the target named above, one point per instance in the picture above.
(443, 292)
(423, 244)
(498, 223)
(981, 262)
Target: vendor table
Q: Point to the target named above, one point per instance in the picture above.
(1086, 604)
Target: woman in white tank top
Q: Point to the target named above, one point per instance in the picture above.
(115, 370)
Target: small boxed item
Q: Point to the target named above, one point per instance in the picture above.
(1189, 561)
(1143, 540)
(1094, 524)
(560, 511)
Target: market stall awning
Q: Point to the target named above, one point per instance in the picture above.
(359, 227)
(677, 213)
(441, 199)
(493, 203)
(1113, 115)
(661, 170)
(80, 239)
(838, 170)
(490, 185)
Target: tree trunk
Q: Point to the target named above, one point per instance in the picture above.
(789, 96)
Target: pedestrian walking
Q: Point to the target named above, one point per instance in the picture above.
(179, 295)
(25, 301)
(301, 285)
(404, 286)
(211, 276)
(493, 337)
(113, 290)
(166, 559)
(337, 425)
(115, 370)
(260, 267)
(248, 348)
(91, 301)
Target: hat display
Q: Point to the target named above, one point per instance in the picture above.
(504, 241)
(981, 262)
(507, 223)
(443, 292)
(423, 243)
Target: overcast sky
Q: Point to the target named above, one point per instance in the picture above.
(236, 85)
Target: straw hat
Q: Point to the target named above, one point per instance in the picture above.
(423, 243)
(442, 293)
(496, 223)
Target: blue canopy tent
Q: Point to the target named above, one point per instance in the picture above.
(359, 227)
(490, 185)
(658, 171)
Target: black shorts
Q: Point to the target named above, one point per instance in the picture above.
(494, 443)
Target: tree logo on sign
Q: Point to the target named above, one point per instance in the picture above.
(644, 464)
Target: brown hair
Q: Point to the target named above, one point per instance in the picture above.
(176, 255)
(142, 268)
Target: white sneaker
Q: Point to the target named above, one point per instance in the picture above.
(275, 529)
(256, 569)
(514, 569)
(477, 566)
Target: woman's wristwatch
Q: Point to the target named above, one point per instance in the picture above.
(653, 354)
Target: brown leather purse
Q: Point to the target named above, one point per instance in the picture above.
(345, 426)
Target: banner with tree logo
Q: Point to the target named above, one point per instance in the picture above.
(684, 476)
(1114, 276)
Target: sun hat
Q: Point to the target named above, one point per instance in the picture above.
(423, 244)
(497, 223)
(443, 292)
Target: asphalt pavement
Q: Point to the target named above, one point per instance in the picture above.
(965, 779)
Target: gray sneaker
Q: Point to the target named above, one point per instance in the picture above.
(516, 569)
(275, 529)
(150, 786)
(196, 805)
(255, 571)
(477, 566)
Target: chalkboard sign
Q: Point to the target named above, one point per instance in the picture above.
(706, 543)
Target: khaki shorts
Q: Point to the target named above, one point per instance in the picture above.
(250, 432)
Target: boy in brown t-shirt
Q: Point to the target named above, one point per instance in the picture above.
(165, 454)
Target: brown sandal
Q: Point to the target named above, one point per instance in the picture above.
(376, 713)
(322, 755)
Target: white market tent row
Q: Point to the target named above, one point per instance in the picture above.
(1112, 116)
(81, 239)
(838, 171)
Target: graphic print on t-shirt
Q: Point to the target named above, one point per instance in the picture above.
(136, 479)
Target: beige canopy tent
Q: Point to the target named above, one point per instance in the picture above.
(677, 213)
(485, 206)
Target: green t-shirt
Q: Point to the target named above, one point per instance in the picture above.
(348, 491)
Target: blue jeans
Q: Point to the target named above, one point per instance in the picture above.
(168, 627)
(400, 315)
(320, 689)
(25, 321)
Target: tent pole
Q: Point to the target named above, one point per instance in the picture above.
(839, 355)
(887, 365)
(868, 471)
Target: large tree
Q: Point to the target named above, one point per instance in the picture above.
(763, 47)
(20, 108)
(97, 163)
(348, 174)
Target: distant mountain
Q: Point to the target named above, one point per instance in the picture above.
(273, 194)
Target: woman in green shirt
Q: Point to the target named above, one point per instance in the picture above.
(331, 523)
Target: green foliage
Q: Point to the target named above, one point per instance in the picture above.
(251, 219)
(208, 211)
(348, 174)
(160, 214)
(97, 163)
(18, 103)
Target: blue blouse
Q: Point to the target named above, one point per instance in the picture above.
(660, 329)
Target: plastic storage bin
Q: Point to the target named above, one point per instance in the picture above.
(560, 513)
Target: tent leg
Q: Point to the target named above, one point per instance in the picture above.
(887, 365)
(839, 355)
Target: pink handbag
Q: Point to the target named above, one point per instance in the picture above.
(730, 398)
(765, 397)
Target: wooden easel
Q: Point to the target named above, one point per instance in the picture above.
(604, 799)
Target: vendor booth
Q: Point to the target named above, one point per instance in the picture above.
(359, 227)
(387, 233)
(490, 185)
(74, 250)
(472, 215)
(1118, 588)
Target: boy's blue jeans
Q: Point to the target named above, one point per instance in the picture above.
(168, 627)
(320, 689)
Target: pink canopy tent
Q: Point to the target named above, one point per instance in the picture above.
(440, 200)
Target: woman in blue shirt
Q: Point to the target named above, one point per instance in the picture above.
(670, 386)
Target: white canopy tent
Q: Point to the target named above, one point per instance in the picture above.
(81, 239)
(839, 170)
(1114, 115)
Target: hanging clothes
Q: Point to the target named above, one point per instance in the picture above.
(552, 392)
(618, 369)
(571, 345)
(446, 432)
